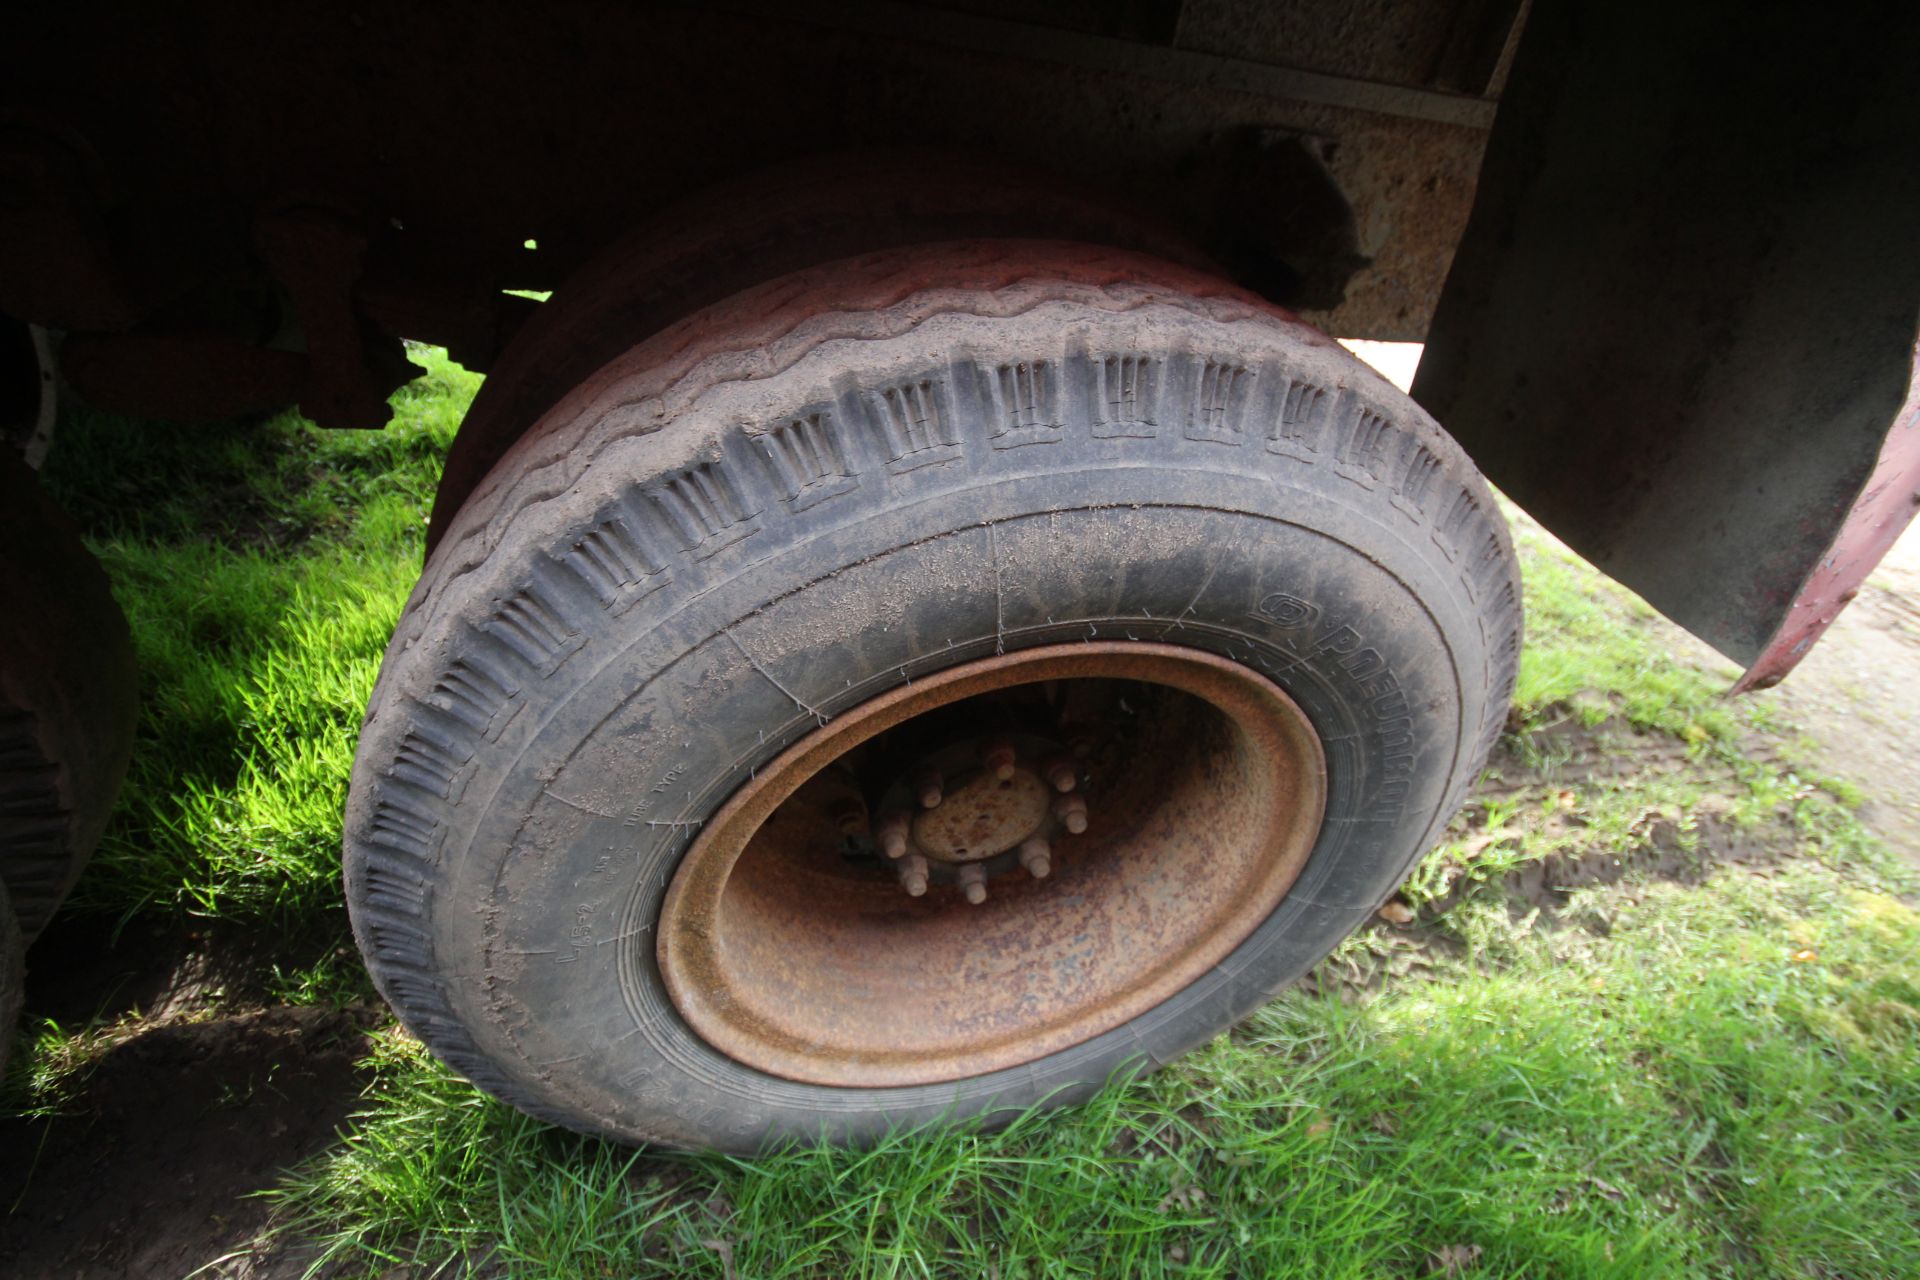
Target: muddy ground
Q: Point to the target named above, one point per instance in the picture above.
(205, 1092)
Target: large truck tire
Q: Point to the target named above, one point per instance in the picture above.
(68, 699)
(921, 687)
(29, 394)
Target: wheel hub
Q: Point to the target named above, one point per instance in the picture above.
(978, 809)
(1121, 871)
(984, 815)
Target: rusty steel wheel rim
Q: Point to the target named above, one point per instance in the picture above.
(789, 958)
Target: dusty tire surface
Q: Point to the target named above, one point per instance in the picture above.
(68, 699)
(719, 242)
(835, 484)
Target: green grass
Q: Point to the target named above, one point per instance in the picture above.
(262, 568)
(1596, 652)
(1652, 1079)
(1684, 1098)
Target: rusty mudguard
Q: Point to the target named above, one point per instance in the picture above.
(1680, 329)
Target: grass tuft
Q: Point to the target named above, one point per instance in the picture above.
(262, 568)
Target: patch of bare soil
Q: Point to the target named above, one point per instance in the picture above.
(1546, 775)
(186, 1110)
(1566, 756)
(1858, 696)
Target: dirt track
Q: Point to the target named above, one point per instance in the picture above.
(1858, 697)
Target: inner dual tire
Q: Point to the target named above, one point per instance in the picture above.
(768, 546)
(69, 689)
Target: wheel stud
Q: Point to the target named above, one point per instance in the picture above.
(913, 875)
(999, 758)
(1072, 812)
(927, 784)
(973, 882)
(1037, 857)
(892, 834)
(1061, 775)
(849, 814)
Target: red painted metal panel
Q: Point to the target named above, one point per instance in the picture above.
(1879, 515)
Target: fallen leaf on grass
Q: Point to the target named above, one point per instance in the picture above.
(1476, 845)
(1452, 1259)
(1394, 911)
(1187, 1197)
(1567, 1197)
(725, 1249)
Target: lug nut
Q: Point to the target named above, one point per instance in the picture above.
(913, 875)
(927, 785)
(999, 758)
(892, 834)
(1072, 812)
(849, 814)
(1061, 775)
(1037, 857)
(973, 883)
